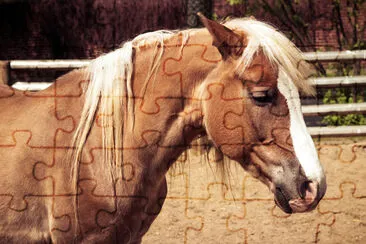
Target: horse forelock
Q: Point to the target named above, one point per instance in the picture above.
(279, 50)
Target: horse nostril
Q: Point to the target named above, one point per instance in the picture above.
(304, 187)
(308, 192)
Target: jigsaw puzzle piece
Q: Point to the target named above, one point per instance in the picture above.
(62, 218)
(176, 223)
(64, 89)
(89, 205)
(68, 103)
(18, 190)
(91, 167)
(15, 228)
(261, 218)
(350, 214)
(262, 221)
(202, 171)
(215, 213)
(90, 209)
(175, 77)
(228, 138)
(22, 118)
(343, 163)
(173, 221)
(56, 172)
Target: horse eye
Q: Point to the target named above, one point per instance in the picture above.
(261, 95)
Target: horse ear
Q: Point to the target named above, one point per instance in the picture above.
(227, 41)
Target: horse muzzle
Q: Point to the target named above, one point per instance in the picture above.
(307, 198)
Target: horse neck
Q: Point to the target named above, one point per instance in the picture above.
(178, 73)
(167, 110)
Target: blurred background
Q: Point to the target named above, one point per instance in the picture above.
(83, 29)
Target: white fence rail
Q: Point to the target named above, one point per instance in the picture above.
(354, 130)
(340, 81)
(323, 82)
(49, 64)
(340, 109)
(31, 86)
(335, 55)
(308, 110)
(79, 63)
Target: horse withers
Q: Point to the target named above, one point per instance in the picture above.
(85, 160)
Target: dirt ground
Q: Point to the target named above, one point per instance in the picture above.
(201, 207)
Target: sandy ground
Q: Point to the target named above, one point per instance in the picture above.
(201, 207)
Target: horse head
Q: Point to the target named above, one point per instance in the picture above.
(252, 111)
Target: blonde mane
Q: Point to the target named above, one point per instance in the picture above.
(280, 51)
(109, 84)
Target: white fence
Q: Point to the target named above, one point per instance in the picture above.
(308, 110)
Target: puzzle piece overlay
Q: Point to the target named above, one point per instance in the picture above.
(240, 209)
(205, 204)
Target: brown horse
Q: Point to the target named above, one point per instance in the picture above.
(85, 160)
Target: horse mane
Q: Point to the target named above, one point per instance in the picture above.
(110, 84)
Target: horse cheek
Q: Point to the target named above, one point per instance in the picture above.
(227, 138)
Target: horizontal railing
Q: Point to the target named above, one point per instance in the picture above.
(31, 86)
(49, 64)
(340, 109)
(323, 82)
(79, 63)
(340, 81)
(335, 56)
(354, 130)
(308, 110)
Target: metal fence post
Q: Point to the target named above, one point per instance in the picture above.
(4, 72)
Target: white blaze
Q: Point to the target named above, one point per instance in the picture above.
(303, 144)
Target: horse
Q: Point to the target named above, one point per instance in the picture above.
(85, 160)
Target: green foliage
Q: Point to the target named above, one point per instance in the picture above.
(349, 119)
(344, 95)
(360, 44)
(341, 14)
(233, 2)
(341, 96)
